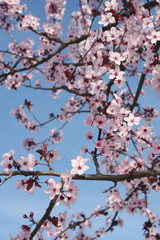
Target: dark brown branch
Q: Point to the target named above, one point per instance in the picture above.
(90, 177)
(141, 82)
(113, 221)
(45, 217)
(75, 92)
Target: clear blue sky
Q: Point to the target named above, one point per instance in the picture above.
(14, 203)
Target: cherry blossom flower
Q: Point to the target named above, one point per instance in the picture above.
(116, 57)
(89, 120)
(100, 233)
(116, 73)
(106, 19)
(23, 235)
(154, 36)
(22, 119)
(72, 190)
(70, 197)
(152, 230)
(100, 121)
(124, 130)
(111, 5)
(112, 34)
(79, 166)
(31, 190)
(62, 219)
(27, 163)
(55, 136)
(27, 185)
(115, 200)
(120, 82)
(120, 222)
(53, 155)
(6, 163)
(54, 188)
(151, 215)
(118, 77)
(19, 184)
(97, 87)
(98, 144)
(66, 177)
(89, 135)
(156, 147)
(147, 22)
(84, 149)
(131, 119)
(156, 80)
(113, 109)
(29, 143)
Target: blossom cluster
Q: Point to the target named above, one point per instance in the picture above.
(107, 67)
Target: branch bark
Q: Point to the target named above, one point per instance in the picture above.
(89, 177)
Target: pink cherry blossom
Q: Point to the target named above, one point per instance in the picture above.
(116, 57)
(29, 143)
(79, 166)
(147, 22)
(156, 147)
(6, 162)
(113, 109)
(106, 19)
(29, 21)
(151, 215)
(100, 233)
(89, 135)
(62, 219)
(23, 235)
(66, 177)
(100, 121)
(72, 190)
(19, 184)
(27, 163)
(54, 188)
(97, 87)
(111, 5)
(53, 155)
(132, 120)
(55, 136)
(89, 120)
(154, 36)
(116, 73)
(112, 34)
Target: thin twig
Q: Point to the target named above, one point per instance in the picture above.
(4, 180)
(107, 190)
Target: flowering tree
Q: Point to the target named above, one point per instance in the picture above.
(106, 61)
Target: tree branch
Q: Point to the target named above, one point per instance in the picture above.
(45, 217)
(138, 91)
(90, 177)
(75, 92)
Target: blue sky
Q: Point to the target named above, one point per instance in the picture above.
(14, 203)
